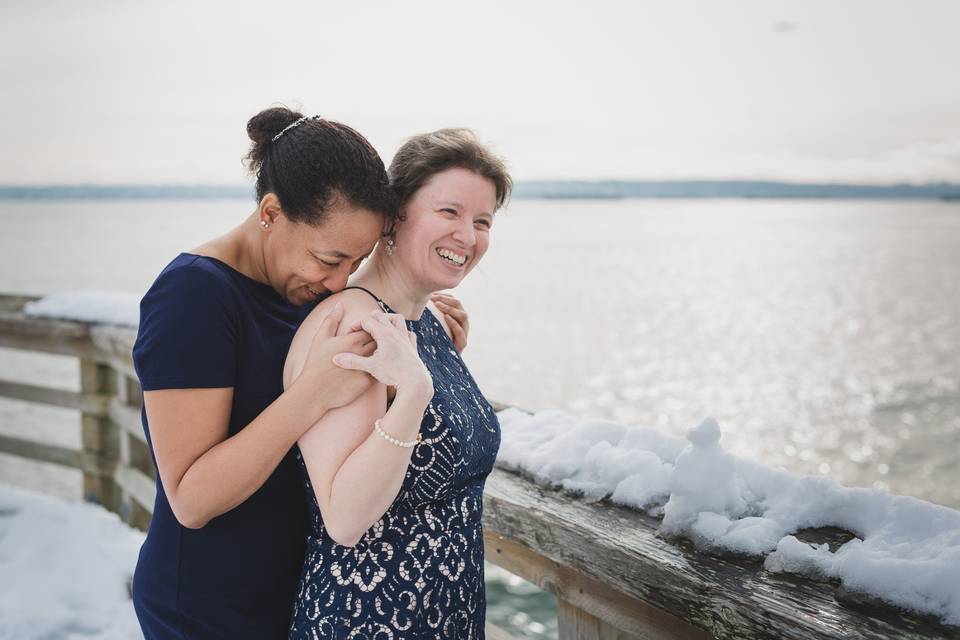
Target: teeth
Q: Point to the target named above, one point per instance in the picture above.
(455, 258)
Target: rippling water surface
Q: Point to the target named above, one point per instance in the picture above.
(823, 335)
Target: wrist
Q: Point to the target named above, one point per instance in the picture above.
(308, 394)
(419, 391)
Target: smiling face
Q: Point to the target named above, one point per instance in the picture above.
(446, 228)
(305, 261)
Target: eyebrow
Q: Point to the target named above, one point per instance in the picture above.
(453, 202)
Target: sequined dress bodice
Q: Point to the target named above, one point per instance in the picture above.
(418, 571)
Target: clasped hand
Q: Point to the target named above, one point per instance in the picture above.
(396, 362)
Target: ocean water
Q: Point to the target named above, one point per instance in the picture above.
(823, 335)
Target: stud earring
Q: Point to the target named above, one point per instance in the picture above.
(391, 245)
(264, 224)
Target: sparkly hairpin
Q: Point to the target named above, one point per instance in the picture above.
(293, 125)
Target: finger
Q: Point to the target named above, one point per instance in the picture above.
(352, 361)
(331, 322)
(459, 314)
(351, 341)
(461, 320)
(457, 333)
(450, 301)
(377, 326)
(399, 322)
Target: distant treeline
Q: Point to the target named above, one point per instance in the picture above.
(572, 189)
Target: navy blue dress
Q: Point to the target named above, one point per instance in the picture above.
(418, 571)
(203, 324)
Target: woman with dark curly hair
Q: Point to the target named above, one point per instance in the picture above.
(226, 543)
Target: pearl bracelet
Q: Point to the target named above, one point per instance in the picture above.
(389, 438)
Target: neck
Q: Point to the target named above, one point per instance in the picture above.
(241, 248)
(385, 278)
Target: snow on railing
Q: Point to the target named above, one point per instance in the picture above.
(906, 551)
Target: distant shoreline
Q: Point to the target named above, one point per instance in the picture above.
(542, 189)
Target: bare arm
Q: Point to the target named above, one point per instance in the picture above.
(356, 474)
(205, 473)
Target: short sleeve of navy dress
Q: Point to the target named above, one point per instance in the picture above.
(205, 325)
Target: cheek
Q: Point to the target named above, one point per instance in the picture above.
(483, 243)
(307, 272)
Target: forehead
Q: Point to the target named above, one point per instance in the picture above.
(460, 186)
(346, 232)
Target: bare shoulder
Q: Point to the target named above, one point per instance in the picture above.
(356, 304)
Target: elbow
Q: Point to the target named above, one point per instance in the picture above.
(192, 522)
(188, 517)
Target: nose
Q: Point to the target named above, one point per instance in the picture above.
(336, 280)
(465, 233)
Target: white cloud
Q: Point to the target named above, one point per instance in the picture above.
(160, 92)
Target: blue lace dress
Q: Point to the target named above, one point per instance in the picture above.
(418, 571)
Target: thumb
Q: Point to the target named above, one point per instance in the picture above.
(331, 323)
(352, 361)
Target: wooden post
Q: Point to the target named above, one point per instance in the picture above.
(99, 440)
(576, 624)
(123, 396)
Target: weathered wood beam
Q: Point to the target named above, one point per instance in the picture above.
(140, 487)
(19, 331)
(92, 403)
(576, 624)
(41, 452)
(100, 439)
(731, 597)
(597, 601)
(115, 345)
(128, 419)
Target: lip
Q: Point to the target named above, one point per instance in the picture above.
(312, 293)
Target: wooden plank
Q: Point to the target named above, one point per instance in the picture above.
(140, 487)
(92, 403)
(41, 452)
(128, 419)
(731, 597)
(597, 601)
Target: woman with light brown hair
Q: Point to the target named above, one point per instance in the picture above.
(395, 478)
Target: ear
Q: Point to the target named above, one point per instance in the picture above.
(269, 210)
(391, 225)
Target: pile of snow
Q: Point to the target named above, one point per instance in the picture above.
(102, 307)
(65, 568)
(907, 551)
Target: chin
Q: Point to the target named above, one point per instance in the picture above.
(441, 284)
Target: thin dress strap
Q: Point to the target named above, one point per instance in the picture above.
(383, 305)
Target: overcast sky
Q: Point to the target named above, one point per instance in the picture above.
(112, 91)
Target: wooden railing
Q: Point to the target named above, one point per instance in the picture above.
(613, 576)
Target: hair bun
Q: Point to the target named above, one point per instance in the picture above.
(262, 128)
